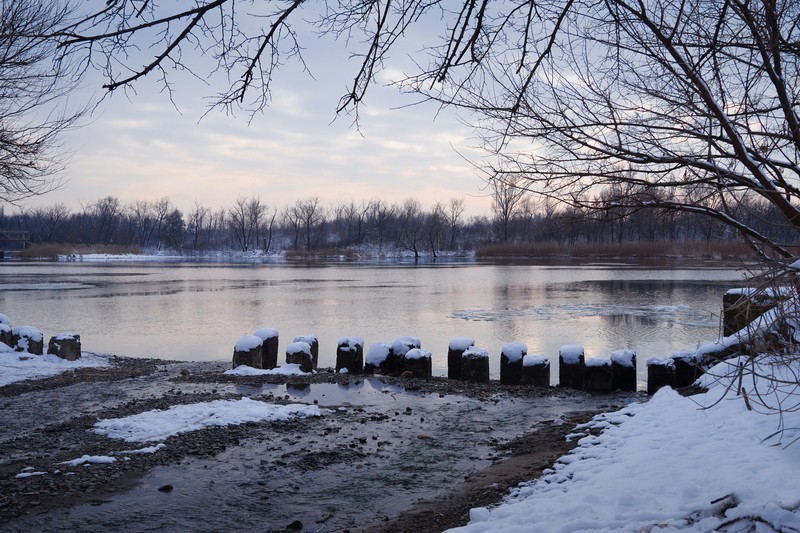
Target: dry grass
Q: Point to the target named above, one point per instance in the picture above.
(646, 249)
(53, 251)
(322, 253)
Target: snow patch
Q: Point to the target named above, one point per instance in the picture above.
(247, 343)
(571, 353)
(286, 369)
(377, 353)
(459, 344)
(514, 351)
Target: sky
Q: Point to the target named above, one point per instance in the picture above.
(141, 146)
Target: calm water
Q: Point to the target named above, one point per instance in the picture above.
(197, 311)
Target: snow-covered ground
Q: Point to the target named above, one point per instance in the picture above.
(19, 366)
(704, 463)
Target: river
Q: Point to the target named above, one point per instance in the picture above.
(197, 310)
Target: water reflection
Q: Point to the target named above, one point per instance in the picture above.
(197, 311)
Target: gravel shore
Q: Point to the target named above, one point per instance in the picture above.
(390, 454)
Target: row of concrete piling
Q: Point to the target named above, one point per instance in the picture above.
(467, 362)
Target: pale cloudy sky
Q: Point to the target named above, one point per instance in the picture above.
(140, 147)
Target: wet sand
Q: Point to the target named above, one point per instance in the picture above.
(389, 454)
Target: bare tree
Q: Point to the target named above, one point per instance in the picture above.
(33, 88)
(453, 215)
(507, 197)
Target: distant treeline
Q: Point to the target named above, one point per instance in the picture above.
(310, 226)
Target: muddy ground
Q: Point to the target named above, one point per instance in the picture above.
(388, 454)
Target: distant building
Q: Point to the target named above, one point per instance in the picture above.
(13, 241)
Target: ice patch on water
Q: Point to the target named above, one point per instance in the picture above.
(683, 315)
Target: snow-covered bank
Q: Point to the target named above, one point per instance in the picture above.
(703, 463)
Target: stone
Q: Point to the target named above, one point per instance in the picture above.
(27, 339)
(376, 360)
(6, 337)
(66, 346)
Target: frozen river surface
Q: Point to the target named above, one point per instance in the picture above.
(197, 311)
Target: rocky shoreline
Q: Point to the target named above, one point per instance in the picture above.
(417, 454)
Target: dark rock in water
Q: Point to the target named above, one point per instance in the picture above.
(350, 355)
(455, 351)
(536, 370)
(570, 366)
(297, 525)
(247, 351)
(597, 375)
(660, 373)
(475, 365)
(66, 346)
(165, 488)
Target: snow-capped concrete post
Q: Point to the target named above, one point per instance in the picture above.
(27, 339)
(377, 358)
(570, 366)
(419, 363)
(623, 370)
(397, 355)
(536, 370)
(741, 306)
(350, 355)
(597, 375)
(313, 342)
(455, 350)
(6, 337)
(269, 347)
(299, 353)
(475, 365)
(66, 346)
(511, 356)
(660, 373)
(247, 351)
(687, 368)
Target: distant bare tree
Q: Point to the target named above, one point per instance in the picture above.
(33, 89)
(48, 223)
(309, 214)
(198, 218)
(507, 197)
(453, 215)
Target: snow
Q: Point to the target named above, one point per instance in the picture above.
(145, 451)
(158, 425)
(28, 332)
(514, 351)
(266, 333)
(351, 344)
(623, 357)
(418, 353)
(5, 348)
(247, 343)
(286, 369)
(404, 344)
(535, 360)
(459, 344)
(298, 347)
(19, 366)
(66, 336)
(597, 362)
(90, 459)
(5, 320)
(661, 361)
(308, 339)
(675, 463)
(476, 353)
(377, 353)
(571, 353)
